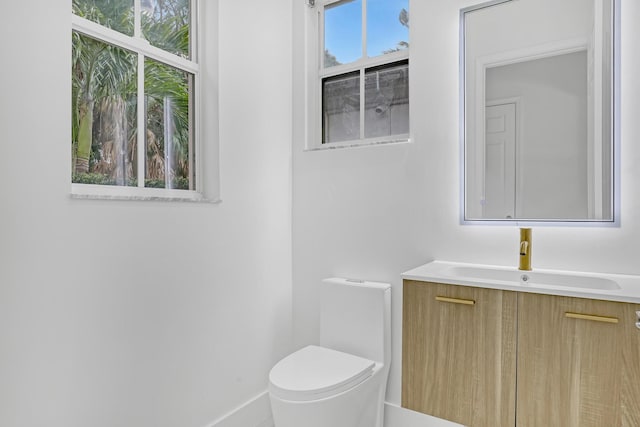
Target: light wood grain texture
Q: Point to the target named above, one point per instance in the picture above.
(577, 372)
(459, 360)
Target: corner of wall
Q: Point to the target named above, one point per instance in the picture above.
(257, 413)
(254, 413)
(396, 416)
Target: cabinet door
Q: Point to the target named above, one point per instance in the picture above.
(575, 370)
(459, 353)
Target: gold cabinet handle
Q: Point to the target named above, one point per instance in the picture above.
(456, 300)
(604, 319)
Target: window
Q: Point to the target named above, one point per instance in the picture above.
(135, 82)
(362, 84)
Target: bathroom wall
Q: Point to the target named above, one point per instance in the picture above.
(142, 313)
(375, 212)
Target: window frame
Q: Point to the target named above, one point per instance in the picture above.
(316, 73)
(138, 45)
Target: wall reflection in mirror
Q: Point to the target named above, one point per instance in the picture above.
(538, 108)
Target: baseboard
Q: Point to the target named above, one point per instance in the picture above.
(254, 413)
(257, 413)
(396, 416)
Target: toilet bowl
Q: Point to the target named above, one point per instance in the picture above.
(341, 382)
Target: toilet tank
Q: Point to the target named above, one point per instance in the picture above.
(355, 318)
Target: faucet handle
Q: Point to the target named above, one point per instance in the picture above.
(525, 249)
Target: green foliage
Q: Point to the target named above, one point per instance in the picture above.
(403, 17)
(114, 14)
(167, 26)
(179, 183)
(92, 178)
(330, 59)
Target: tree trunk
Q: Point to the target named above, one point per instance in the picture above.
(120, 138)
(85, 135)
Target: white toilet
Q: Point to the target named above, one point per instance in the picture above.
(342, 382)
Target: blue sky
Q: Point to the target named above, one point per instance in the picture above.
(343, 28)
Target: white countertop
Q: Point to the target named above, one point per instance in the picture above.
(510, 279)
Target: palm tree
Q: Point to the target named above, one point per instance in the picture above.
(103, 82)
(168, 123)
(403, 18)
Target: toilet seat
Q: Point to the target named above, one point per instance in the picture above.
(314, 373)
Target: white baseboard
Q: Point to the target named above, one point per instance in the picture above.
(254, 413)
(257, 413)
(396, 416)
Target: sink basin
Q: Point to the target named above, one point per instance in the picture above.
(534, 278)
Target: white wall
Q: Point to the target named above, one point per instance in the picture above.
(141, 313)
(375, 212)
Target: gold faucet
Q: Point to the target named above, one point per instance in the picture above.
(525, 249)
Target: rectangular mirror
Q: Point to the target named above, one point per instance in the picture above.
(538, 110)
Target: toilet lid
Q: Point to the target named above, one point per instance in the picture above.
(317, 372)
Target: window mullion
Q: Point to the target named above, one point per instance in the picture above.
(364, 63)
(364, 29)
(362, 70)
(194, 28)
(142, 122)
(137, 13)
(321, 40)
(362, 102)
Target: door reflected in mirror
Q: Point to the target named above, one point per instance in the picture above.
(538, 97)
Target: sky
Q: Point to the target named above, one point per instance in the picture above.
(343, 28)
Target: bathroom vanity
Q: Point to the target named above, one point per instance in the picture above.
(488, 346)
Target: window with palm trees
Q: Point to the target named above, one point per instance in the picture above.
(133, 94)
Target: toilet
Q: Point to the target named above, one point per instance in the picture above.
(342, 381)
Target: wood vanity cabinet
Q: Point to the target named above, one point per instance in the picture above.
(561, 361)
(576, 370)
(459, 353)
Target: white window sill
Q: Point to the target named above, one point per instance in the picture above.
(360, 143)
(107, 192)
